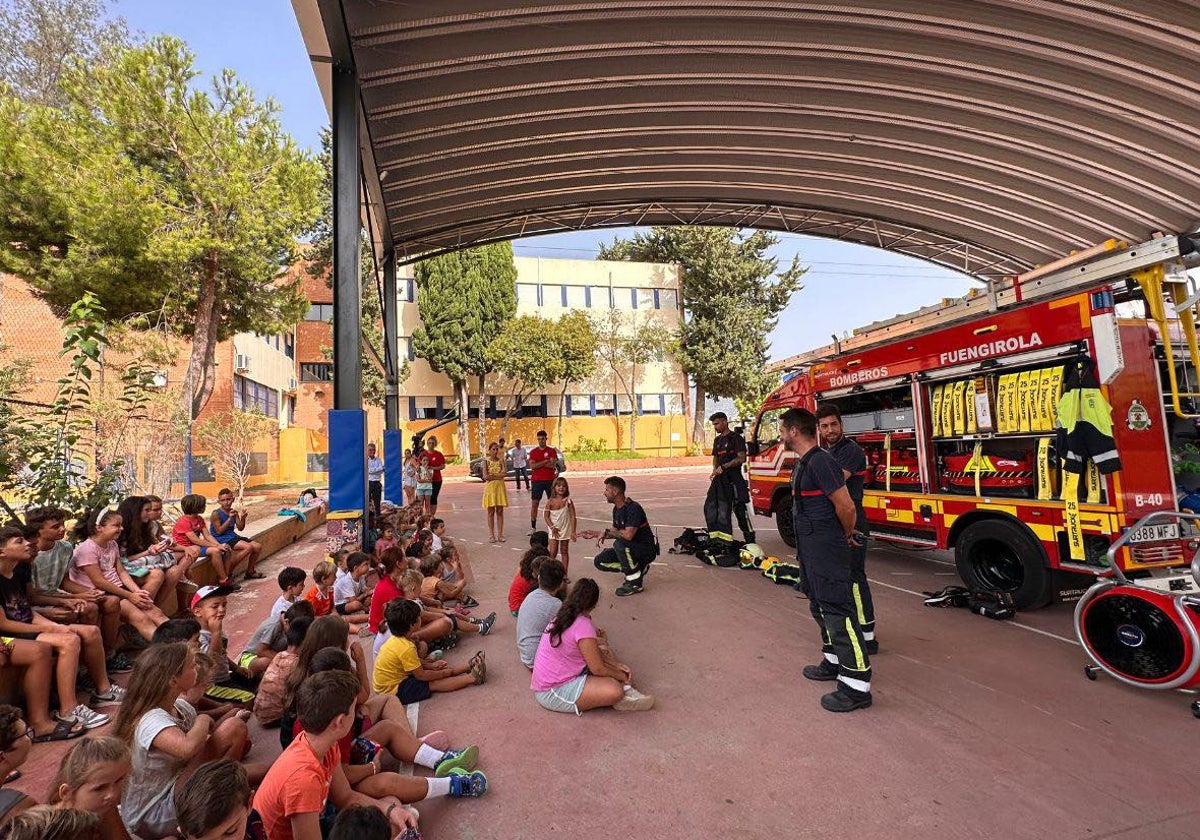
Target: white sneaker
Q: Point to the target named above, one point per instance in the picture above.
(89, 718)
(634, 701)
(113, 697)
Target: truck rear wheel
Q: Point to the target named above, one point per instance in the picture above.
(783, 520)
(1000, 556)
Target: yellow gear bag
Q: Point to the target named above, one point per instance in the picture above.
(1056, 379)
(1074, 530)
(1005, 403)
(971, 423)
(1045, 475)
(935, 409)
(1045, 414)
(958, 413)
(1024, 401)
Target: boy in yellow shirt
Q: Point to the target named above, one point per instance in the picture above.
(400, 670)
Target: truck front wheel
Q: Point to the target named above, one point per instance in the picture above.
(783, 520)
(996, 555)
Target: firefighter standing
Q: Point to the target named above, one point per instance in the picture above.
(728, 492)
(823, 517)
(853, 462)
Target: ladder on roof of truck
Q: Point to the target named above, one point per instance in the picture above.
(1157, 266)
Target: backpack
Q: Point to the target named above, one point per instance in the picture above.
(690, 541)
(720, 553)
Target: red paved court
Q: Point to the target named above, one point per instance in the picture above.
(980, 729)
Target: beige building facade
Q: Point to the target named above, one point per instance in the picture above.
(597, 410)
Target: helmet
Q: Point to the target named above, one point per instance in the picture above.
(751, 556)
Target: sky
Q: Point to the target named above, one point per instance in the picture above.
(847, 285)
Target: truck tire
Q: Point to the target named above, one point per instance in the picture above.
(998, 555)
(783, 520)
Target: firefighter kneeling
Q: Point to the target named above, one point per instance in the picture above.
(823, 516)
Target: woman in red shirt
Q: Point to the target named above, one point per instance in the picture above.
(437, 461)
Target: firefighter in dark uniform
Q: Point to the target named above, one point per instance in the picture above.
(853, 462)
(728, 492)
(823, 516)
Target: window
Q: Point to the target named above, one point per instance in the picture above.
(553, 295)
(527, 294)
(406, 348)
(318, 462)
(646, 299)
(289, 345)
(319, 312)
(291, 411)
(258, 463)
(406, 290)
(579, 405)
(674, 403)
(650, 403)
(202, 469)
(249, 395)
(601, 297)
(766, 430)
(668, 299)
(577, 297)
(624, 406)
(606, 404)
(316, 372)
(423, 408)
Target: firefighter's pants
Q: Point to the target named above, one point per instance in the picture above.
(629, 559)
(724, 500)
(860, 592)
(825, 579)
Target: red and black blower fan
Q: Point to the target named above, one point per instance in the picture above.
(1141, 635)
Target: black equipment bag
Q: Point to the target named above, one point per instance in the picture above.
(690, 541)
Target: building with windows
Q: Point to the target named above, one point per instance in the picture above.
(595, 413)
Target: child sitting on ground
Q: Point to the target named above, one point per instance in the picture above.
(455, 569)
(232, 683)
(168, 738)
(439, 622)
(270, 638)
(387, 539)
(186, 630)
(291, 585)
(90, 778)
(215, 803)
(293, 795)
(350, 594)
(321, 596)
(268, 701)
(434, 590)
(399, 669)
(437, 531)
(525, 580)
(190, 530)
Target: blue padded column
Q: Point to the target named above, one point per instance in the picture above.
(348, 460)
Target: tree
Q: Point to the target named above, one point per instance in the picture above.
(46, 448)
(40, 39)
(320, 265)
(464, 299)
(167, 201)
(578, 345)
(533, 352)
(625, 343)
(732, 296)
(230, 438)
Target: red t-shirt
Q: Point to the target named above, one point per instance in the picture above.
(185, 526)
(544, 453)
(386, 590)
(436, 461)
(518, 591)
(297, 783)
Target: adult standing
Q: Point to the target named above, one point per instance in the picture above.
(520, 463)
(727, 488)
(853, 462)
(543, 461)
(437, 462)
(634, 547)
(495, 495)
(823, 518)
(374, 478)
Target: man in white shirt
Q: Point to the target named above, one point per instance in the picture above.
(520, 462)
(374, 478)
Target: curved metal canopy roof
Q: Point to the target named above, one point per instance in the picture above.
(986, 135)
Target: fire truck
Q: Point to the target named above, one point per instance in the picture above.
(955, 406)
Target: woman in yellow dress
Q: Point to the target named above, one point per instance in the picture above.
(495, 495)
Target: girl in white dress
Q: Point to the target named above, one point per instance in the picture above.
(560, 521)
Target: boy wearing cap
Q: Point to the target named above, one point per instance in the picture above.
(233, 684)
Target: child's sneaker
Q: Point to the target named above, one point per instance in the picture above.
(89, 718)
(485, 625)
(457, 761)
(468, 602)
(118, 663)
(113, 697)
(467, 784)
(634, 701)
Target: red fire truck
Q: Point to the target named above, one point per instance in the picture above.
(955, 407)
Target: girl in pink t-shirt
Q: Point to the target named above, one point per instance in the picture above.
(97, 564)
(574, 669)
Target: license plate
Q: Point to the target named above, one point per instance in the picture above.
(1155, 533)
